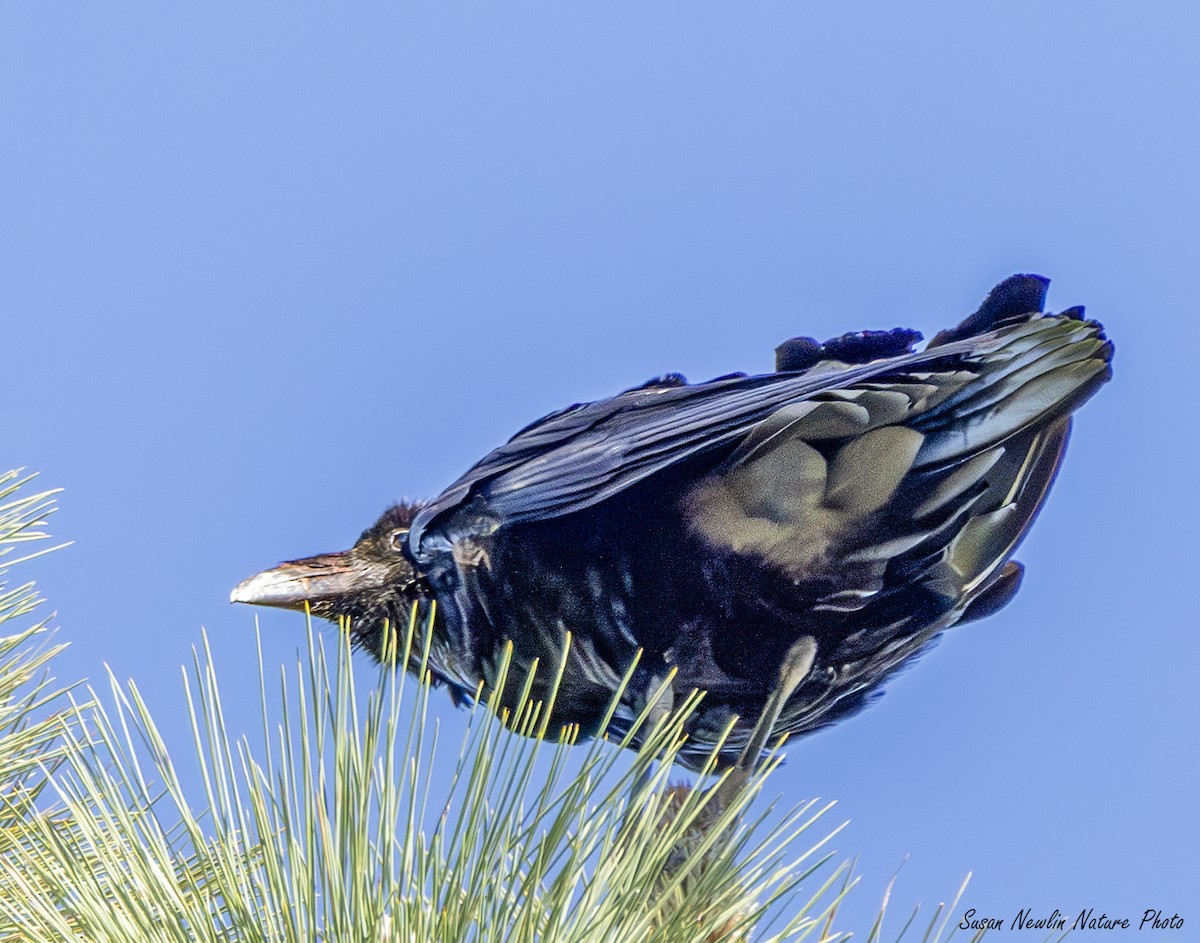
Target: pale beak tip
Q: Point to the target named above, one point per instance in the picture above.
(293, 584)
(239, 592)
(266, 588)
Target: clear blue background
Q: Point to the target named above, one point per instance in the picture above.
(265, 268)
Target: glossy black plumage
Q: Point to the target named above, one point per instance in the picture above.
(833, 516)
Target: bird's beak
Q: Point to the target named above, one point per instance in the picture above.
(290, 585)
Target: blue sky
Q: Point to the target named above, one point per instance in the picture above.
(265, 268)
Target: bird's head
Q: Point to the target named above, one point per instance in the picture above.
(370, 585)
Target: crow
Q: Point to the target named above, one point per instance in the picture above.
(784, 542)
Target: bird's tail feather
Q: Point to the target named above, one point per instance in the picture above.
(1042, 369)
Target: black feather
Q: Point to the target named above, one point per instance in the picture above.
(857, 502)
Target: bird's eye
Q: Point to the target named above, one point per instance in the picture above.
(396, 539)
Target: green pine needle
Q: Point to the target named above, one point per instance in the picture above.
(337, 826)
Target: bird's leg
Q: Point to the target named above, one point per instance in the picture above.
(655, 712)
(795, 668)
(658, 684)
(797, 663)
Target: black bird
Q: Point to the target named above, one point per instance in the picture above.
(785, 542)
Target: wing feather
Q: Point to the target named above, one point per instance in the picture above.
(578, 457)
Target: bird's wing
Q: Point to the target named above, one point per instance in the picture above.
(578, 457)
